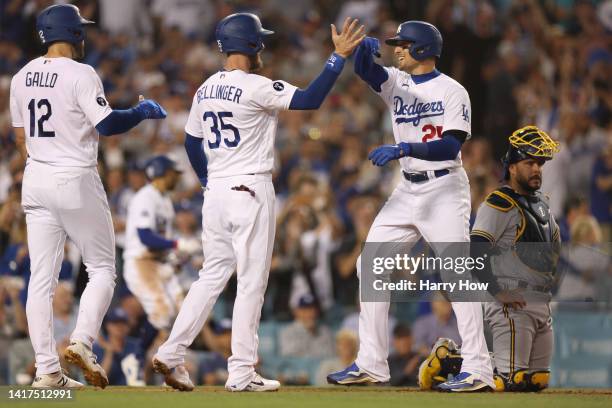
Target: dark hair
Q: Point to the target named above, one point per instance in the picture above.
(402, 330)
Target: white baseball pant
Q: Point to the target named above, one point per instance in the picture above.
(62, 202)
(438, 210)
(238, 235)
(157, 288)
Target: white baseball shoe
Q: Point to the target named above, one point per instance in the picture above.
(177, 377)
(80, 355)
(56, 380)
(257, 384)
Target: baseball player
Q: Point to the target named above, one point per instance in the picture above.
(515, 217)
(234, 114)
(58, 108)
(517, 229)
(147, 272)
(431, 120)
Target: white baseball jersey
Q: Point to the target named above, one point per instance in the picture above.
(422, 111)
(59, 102)
(148, 209)
(236, 113)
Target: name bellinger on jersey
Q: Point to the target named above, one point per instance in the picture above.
(254, 102)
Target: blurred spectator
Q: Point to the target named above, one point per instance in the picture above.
(347, 345)
(64, 316)
(441, 322)
(529, 62)
(192, 17)
(121, 356)
(585, 266)
(575, 207)
(306, 336)
(126, 17)
(362, 211)
(403, 362)
(601, 191)
(213, 368)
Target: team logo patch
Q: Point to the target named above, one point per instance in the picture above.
(278, 86)
(101, 101)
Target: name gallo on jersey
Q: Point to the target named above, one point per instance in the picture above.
(416, 111)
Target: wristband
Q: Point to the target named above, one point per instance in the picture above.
(404, 149)
(335, 63)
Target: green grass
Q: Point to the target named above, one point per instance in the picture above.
(337, 397)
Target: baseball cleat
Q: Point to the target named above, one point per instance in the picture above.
(257, 384)
(464, 382)
(79, 354)
(177, 377)
(351, 375)
(56, 380)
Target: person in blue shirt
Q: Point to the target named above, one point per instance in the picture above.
(121, 356)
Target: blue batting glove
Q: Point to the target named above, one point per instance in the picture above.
(372, 45)
(385, 153)
(149, 109)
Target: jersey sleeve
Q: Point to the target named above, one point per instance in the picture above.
(194, 123)
(458, 111)
(386, 88)
(90, 96)
(490, 222)
(16, 118)
(143, 211)
(273, 95)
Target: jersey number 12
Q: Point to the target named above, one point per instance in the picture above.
(41, 121)
(216, 130)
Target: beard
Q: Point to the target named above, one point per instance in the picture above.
(531, 184)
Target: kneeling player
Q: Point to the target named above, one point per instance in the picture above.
(515, 225)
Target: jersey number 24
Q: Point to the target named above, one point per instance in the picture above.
(217, 118)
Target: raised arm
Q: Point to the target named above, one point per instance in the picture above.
(365, 67)
(345, 42)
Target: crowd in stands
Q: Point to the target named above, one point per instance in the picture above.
(523, 62)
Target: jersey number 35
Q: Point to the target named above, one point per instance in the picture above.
(217, 118)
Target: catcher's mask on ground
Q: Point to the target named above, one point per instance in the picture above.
(528, 142)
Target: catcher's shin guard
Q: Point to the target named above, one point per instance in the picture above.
(522, 381)
(443, 360)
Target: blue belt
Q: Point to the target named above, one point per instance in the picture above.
(422, 176)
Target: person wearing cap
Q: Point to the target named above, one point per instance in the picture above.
(306, 337)
(431, 118)
(58, 112)
(149, 240)
(121, 356)
(517, 235)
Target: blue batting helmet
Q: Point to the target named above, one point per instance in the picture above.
(158, 166)
(425, 38)
(241, 32)
(61, 22)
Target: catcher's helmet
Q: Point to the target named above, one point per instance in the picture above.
(158, 166)
(528, 142)
(61, 22)
(426, 39)
(241, 32)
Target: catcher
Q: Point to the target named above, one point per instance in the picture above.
(516, 230)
